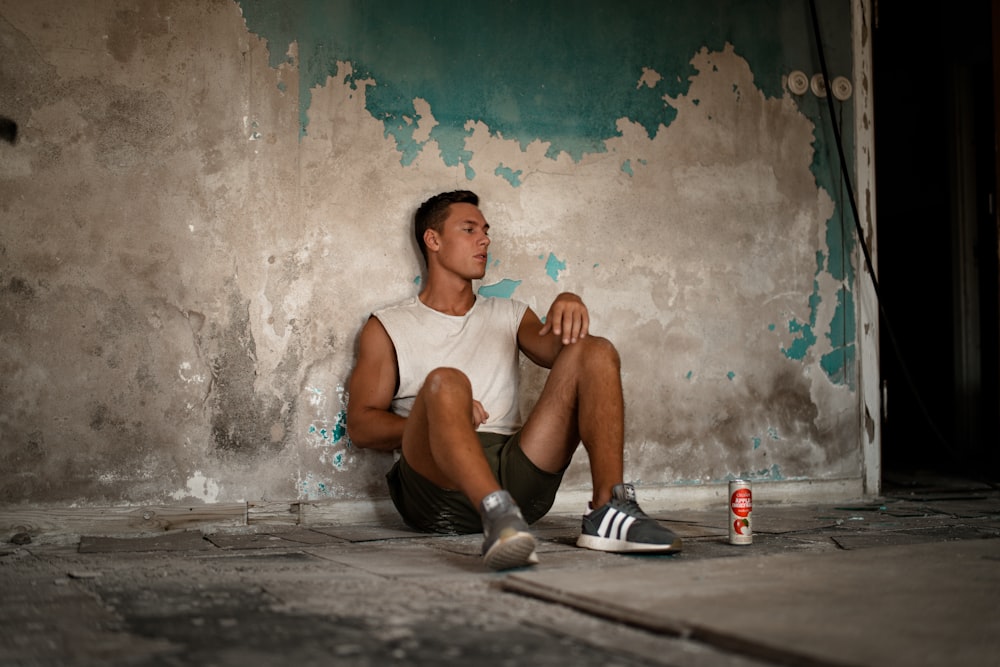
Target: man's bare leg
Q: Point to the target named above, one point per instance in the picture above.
(440, 443)
(581, 401)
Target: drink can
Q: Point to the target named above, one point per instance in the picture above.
(740, 512)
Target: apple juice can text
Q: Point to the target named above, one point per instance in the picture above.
(740, 512)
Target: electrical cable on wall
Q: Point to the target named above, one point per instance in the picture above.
(861, 237)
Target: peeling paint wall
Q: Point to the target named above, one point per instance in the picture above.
(207, 199)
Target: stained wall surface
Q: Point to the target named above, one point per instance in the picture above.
(207, 199)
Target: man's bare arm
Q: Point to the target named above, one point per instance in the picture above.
(566, 322)
(370, 422)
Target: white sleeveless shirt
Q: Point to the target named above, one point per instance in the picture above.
(482, 344)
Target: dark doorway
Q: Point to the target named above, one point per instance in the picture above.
(933, 89)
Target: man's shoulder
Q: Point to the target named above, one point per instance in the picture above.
(402, 317)
(500, 302)
(405, 304)
(502, 306)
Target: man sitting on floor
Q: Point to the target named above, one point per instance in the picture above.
(437, 377)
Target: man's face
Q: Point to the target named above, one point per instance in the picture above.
(463, 243)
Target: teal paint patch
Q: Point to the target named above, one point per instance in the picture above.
(819, 262)
(805, 336)
(407, 147)
(690, 374)
(730, 375)
(558, 72)
(840, 237)
(310, 488)
(770, 327)
(840, 243)
(417, 279)
(627, 167)
(806, 339)
(340, 429)
(842, 323)
(839, 363)
(756, 442)
(509, 175)
(452, 143)
(503, 289)
(334, 435)
(553, 266)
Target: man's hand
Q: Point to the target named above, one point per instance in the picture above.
(567, 317)
(479, 414)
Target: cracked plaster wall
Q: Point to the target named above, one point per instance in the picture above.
(190, 244)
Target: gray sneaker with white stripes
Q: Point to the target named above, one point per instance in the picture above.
(507, 542)
(620, 526)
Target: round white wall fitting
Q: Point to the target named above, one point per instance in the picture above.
(818, 85)
(842, 88)
(798, 82)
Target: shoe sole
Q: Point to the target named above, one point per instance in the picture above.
(518, 550)
(623, 546)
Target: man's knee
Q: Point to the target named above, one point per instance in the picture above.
(594, 350)
(603, 346)
(447, 382)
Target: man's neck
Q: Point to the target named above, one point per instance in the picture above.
(455, 297)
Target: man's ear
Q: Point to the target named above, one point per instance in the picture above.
(431, 239)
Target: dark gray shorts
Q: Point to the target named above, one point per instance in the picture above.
(429, 508)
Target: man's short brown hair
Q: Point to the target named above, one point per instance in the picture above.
(432, 213)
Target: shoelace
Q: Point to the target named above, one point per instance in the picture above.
(629, 507)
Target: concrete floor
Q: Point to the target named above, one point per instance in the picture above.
(911, 578)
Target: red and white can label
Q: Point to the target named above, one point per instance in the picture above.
(740, 512)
